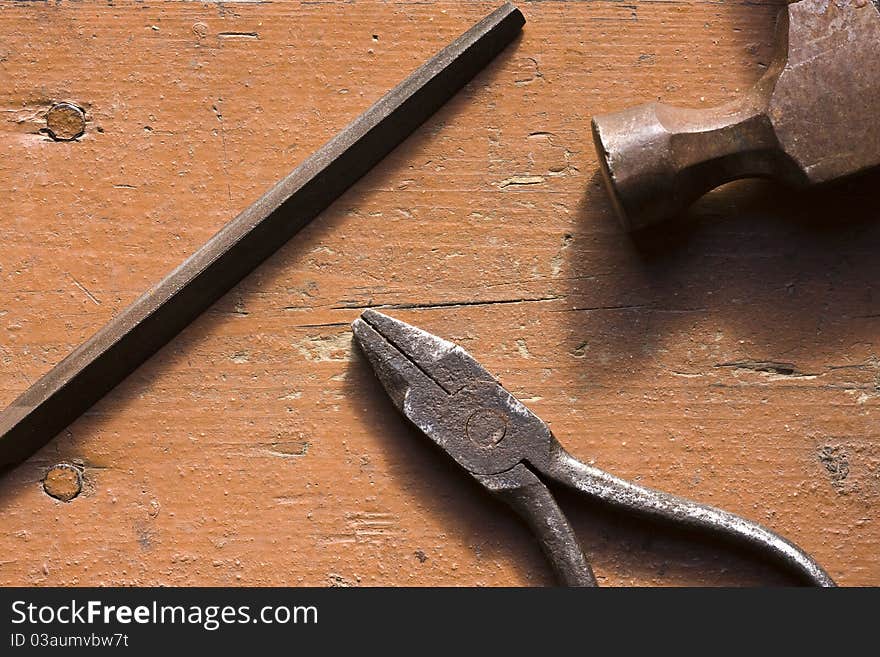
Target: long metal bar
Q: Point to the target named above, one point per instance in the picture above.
(140, 330)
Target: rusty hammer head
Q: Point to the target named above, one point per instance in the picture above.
(812, 118)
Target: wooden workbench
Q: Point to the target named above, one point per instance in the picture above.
(733, 359)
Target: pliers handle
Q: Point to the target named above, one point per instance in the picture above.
(524, 491)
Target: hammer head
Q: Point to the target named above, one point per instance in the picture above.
(812, 118)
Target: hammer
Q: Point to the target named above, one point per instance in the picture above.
(810, 119)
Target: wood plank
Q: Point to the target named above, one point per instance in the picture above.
(734, 361)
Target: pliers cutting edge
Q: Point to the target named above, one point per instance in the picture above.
(459, 405)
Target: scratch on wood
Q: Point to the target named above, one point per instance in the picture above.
(519, 181)
(288, 450)
(768, 367)
(238, 35)
(82, 287)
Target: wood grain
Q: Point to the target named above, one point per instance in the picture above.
(732, 359)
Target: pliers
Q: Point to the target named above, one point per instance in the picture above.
(462, 408)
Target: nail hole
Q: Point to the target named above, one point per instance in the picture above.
(65, 121)
(63, 482)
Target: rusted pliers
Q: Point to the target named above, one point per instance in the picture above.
(453, 400)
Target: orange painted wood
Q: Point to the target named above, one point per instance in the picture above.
(734, 360)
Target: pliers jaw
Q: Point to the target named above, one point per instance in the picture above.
(451, 398)
(422, 360)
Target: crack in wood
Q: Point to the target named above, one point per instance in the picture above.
(445, 304)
